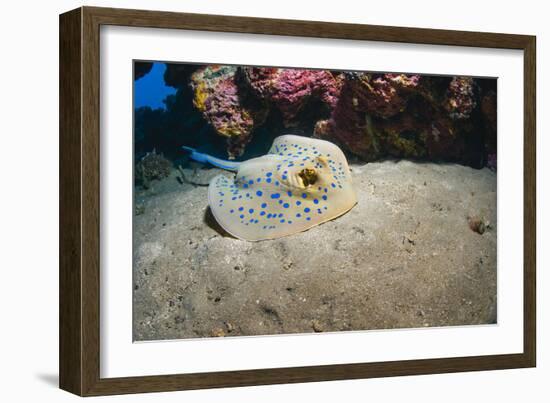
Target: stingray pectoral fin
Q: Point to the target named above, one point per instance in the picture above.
(219, 203)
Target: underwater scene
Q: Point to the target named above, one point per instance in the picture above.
(274, 200)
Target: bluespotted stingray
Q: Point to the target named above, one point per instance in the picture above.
(300, 183)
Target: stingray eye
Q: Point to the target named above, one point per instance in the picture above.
(309, 176)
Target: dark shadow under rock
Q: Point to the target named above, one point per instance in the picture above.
(210, 220)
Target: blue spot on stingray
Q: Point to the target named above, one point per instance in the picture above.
(308, 218)
(298, 215)
(280, 202)
(250, 182)
(234, 198)
(242, 216)
(268, 174)
(284, 177)
(269, 215)
(259, 193)
(245, 185)
(286, 205)
(259, 180)
(333, 185)
(241, 208)
(268, 180)
(251, 210)
(275, 195)
(307, 210)
(262, 213)
(298, 202)
(232, 211)
(289, 193)
(324, 197)
(280, 215)
(255, 221)
(315, 201)
(304, 195)
(290, 222)
(283, 220)
(276, 183)
(264, 205)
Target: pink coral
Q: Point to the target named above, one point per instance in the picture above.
(363, 97)
(217, 96)
(261, 79)
(369, 114)
(224, 111)
(290, 89)
(348, 126)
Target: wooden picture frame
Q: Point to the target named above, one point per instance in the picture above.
(79, 346)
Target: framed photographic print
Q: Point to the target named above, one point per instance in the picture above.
(250, 201)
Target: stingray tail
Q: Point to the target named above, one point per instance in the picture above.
(208, 159)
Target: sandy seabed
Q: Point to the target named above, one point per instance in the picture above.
(405, 256)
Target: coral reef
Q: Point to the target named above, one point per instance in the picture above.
(360, 120)
(408, 116)
(365, 97)
(237, 111)
(289, 90)
(152, 166)
(460, 100)
(217, 96)
(381, 95)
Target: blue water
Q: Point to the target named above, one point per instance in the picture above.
(150, 90)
